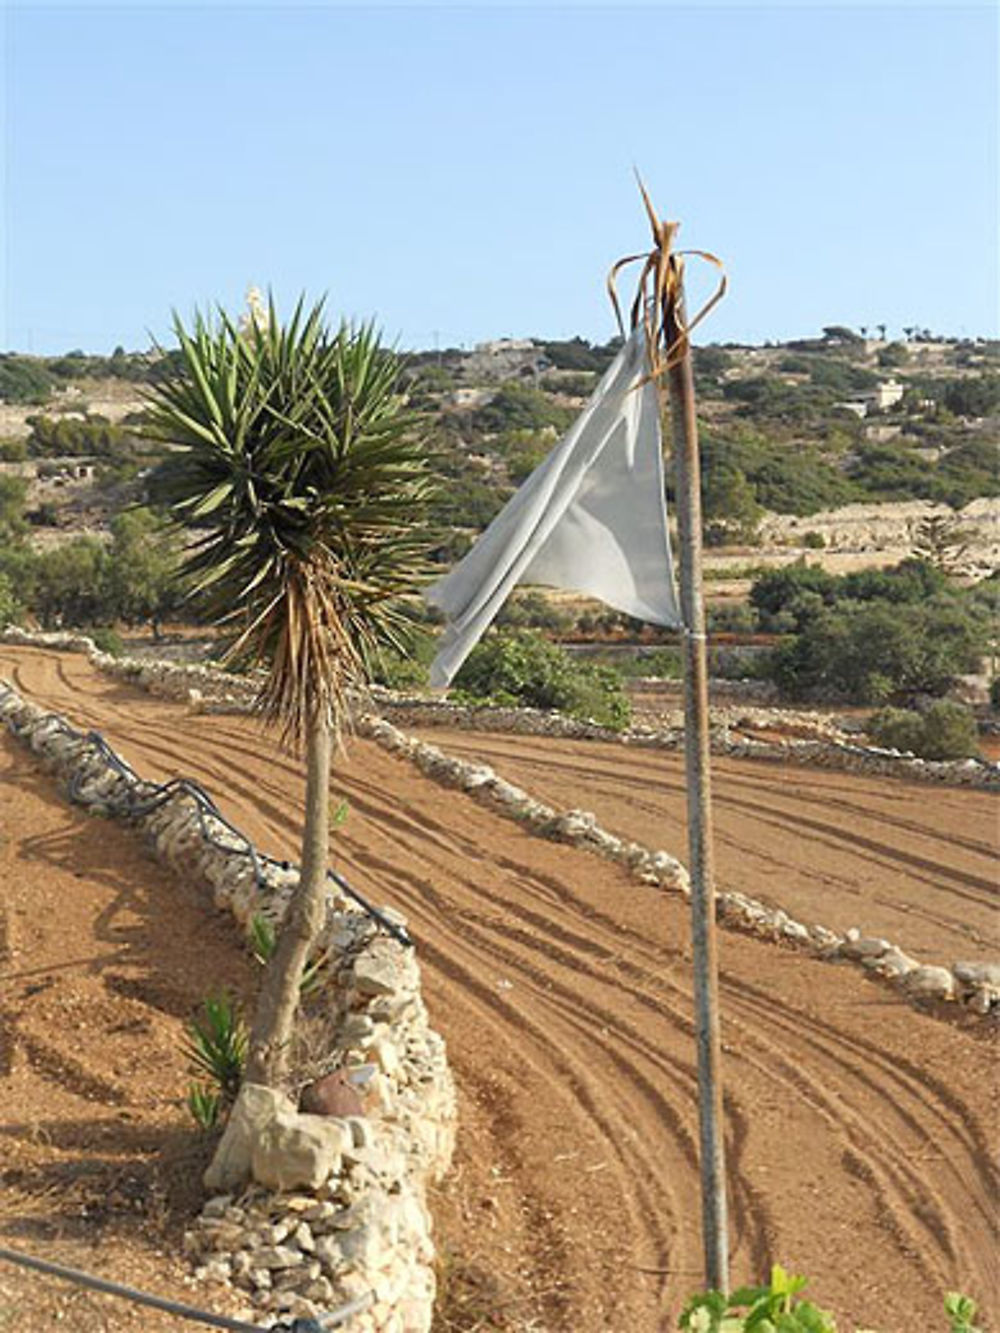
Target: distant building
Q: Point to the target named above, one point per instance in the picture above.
(887, 393)
(500, 345)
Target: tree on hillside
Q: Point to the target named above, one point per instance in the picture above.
(299, 469)
(143, 574)
(13, 493)
(942, 542)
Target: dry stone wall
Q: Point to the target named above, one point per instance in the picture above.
(336, 1210)
(974, 985)
(827, 747)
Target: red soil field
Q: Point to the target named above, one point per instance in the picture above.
(860, 1132)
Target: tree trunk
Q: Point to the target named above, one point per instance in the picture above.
(270, 1038)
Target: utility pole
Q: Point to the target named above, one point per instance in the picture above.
(684, 428)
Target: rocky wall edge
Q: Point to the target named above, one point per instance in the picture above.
(210, 689)
(349, 1220)
(975, 986)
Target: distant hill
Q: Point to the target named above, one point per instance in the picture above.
(793, 428)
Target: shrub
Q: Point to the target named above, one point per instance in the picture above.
(10, 605)
(524, 668)
(814, 541)
(216, 1047)
(520, 407)
(71, 584)
(532, 610)
(90, 437)
(897, 729)
(949, 731)
(730, 618)
(872, 653)
(24, 380)
(995, 693)
(107, 641)
(13, 450)
(406, 667)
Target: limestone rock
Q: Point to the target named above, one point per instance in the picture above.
(298, 1151)
(375, 973)
(977, 974)
(254, 1109)
(933, 983)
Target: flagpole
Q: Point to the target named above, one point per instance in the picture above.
(684, 428)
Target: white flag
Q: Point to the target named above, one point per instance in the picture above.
(590, 518)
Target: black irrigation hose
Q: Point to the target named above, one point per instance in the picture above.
(135, 808)
(316, 1325)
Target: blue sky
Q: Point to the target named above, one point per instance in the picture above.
(465, 172)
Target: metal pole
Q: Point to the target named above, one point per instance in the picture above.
(684, 429)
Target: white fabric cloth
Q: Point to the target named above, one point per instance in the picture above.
(590, 518)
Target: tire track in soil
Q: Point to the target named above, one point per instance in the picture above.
(842, 848)
(836, 1117)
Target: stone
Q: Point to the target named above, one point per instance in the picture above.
(303, 1238)
(332, 1095)
(858, 946)
(254, 1109)
(276, 1256)
(329, 1253)
(934, 983)
(892, 964)
(375, 974)
(977, 974)
(361, 1246)
(297, 1151)
(386, 1056)
(216, 1207)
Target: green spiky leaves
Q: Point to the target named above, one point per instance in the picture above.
(303, 482)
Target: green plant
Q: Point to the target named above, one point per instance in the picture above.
(10, 605)
(263, 942)
(205, 1105)
(995, 694)
(107, 641)
(771, 1309)
(897, 729)
(304, 481)
(961, 1311)
(216, 1045)
(949, 731)
(776, 1308)
(524, 668)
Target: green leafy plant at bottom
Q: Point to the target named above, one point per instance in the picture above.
(216, 1047)
(776, 1308)
(771, 1309)
(205, 1105)
(961, 1311)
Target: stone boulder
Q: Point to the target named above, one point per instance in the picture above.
(295, 1150)
(254, 1109)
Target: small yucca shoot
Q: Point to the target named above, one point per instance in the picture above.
(216, 1045)
(205, 1105)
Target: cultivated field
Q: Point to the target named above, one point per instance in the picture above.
(861, 1132)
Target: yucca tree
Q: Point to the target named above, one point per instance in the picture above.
(300, 475)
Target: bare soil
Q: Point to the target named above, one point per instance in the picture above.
(103, 956)
(860, 1132)
(913, 862)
